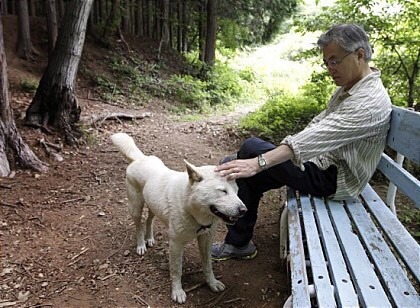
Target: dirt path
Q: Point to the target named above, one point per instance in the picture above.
(67, 240)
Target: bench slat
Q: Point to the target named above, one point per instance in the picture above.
(403, 242)
(300, 289)
(371, 293)
(398, 285)
(344, 289)
(405, 182)
(404, 133)
(323, 288)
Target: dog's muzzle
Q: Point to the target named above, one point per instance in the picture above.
(229, 220)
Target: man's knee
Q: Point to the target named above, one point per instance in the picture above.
(254, 146)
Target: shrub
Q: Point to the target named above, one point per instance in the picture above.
(28, 86)
(280, 116)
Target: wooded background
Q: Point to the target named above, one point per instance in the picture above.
(189, 27)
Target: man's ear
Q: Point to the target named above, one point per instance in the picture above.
(192, 173)
(361, 53)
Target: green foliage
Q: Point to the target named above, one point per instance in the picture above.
(190, 92)
(286, 114)
(394, 30)
(410, 217)
(280, 116)
(29, 86)
(214, 88)
(245, 23)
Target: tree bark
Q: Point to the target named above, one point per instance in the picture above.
(139, 18)
(60, 8)
(201, 30)
(10, 138)
(55, 101)
(210, 53)
(24, 47)
(113, 20)
(185, 25)
(126, 20)
(32, 7)
(51, 25)
(164, 40)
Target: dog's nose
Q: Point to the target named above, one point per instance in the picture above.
(242, 210)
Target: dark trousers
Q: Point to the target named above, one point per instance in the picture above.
(314, 181)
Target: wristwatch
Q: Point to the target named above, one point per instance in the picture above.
(262, 162)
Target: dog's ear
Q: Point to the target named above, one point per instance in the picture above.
(192, 173)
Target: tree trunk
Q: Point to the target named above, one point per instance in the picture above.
(10, 138)
(210, 54)
(5, 6)
(55, 101)
(139, 18)
(32, 8)
(24, 47)
(179, 25)
(126, 21)
(60, 8)
(113, 20)
(149, 18)
(185, 25)
(51, 25)
(164, 36)
(201, 30)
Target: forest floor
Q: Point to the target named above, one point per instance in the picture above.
(66, 236)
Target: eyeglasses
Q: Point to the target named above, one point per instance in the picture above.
(333, 63)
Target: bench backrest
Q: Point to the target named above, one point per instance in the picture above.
(404, 138)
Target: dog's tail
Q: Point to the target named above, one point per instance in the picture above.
(127, 146)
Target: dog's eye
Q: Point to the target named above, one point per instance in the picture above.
(223, 190)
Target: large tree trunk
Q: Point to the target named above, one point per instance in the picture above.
(10, 138)
(24, 47)
(210, 54)
(51, 25)
(55, 101)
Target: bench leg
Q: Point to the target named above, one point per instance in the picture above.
(283, 234)
(289, 302)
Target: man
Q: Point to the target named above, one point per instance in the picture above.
(334, 156)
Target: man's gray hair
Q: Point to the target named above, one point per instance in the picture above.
(349, 36)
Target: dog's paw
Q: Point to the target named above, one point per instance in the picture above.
(141, 249)
(217, 286)
(150, 242)
(179, 296)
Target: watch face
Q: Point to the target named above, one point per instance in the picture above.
(261, 161)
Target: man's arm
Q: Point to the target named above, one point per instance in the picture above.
(243, 168)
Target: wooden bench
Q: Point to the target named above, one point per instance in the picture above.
(356, 253)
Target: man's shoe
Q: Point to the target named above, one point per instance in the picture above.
(224, 251)
(228, 159)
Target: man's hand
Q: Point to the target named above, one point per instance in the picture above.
(239, 168)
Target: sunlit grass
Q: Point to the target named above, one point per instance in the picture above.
(276, 64)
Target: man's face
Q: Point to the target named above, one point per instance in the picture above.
(344, 67)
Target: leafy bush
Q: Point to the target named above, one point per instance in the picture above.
(28, 86)
(190, 92)
(286, 114)
(280, 116)
(220, 87)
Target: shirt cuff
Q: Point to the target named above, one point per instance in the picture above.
(297, 158)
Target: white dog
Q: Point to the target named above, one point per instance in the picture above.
(188, 203)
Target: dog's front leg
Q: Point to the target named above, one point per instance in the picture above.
(204, 244)
(175, 267)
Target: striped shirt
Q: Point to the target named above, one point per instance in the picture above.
(350, 134)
